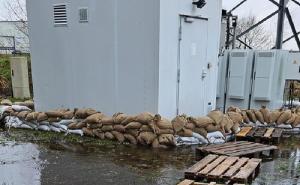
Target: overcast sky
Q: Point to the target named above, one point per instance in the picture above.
(259, 8)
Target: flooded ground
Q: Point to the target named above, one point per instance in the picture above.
(30, 158)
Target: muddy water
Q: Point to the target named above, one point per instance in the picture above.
(59, 162)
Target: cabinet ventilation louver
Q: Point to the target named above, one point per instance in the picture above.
(60, 15)
(83, 15)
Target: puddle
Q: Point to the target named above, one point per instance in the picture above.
(61, 162)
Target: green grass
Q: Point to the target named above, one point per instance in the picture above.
(5, 67)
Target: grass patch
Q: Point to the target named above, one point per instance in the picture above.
(5, 67)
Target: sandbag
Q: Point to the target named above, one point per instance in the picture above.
(118, 118)
(84, 113)
(156, 144)
(119, 128)
(128, 119)
(284, 117)
(201, 131)
(80, 125)
(20, 108)
(146, 138)
(202, 122)
(213, 128)
(292, 119)
(235, 117)
(245, 117)
(144, 118)
(155, 129)
(133, 125)
(185, 133)
(29, 103)
(98, 133)
(236, 128)
(274, 115)
(106, 120)
(296, 121)
(165, 131)
(227, 123)
(72, 125)
(130, 138)
(233, 109)
(54, 114)
(167, 139)
(190, 126)
(179, 123)
(216, 115)
(119, 136)
(95, 118)
(23, 114)
(94, 125)
(251, 116)
(259, 116)
(107, 128)
(146, 128)
(266, 114)
(42, 117)
(88, 132)
(68, 115)
(162, 123)
(31, 116)
(6, 102)
(133, 132)
(53, 119)
(109, 135)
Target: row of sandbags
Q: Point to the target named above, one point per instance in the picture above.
(265, 116)
(27, 103)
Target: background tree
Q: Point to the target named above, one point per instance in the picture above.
(258, 38)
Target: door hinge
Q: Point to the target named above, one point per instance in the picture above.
(180, 33)
(178, 75)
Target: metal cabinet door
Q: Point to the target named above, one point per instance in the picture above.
(192, 65)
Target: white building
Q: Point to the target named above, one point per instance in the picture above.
(13, 33)
(125, 55)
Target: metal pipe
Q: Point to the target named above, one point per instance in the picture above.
(274, 2)
(245, 44)
(288, 14)
(280, 24)
(287, 39)
(296, 2)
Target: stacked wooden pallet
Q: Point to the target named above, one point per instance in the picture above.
(224, 169)
(260, 134)
(191, 182)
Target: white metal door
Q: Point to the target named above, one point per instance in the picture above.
(192, 66)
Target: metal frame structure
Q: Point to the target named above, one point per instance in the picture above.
(4, 48)
(283, 11)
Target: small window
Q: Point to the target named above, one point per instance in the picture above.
(60, 14)
(83, 15)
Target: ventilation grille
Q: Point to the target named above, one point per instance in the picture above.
(60, 15)
(238, 54)
(83, 15)
(266, 54)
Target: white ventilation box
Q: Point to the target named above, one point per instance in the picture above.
(19, 77)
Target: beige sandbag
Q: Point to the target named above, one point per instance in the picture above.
(213, 128)
(162, 123)
(88, 132)
(95, 118)
(42, 117)
(216, 115)
(107, 128)
(128, 119)
(185, 133)
(167, 139)
(130, 138)
(119, 117)
(166, 131)
(31, 116)
(80, 125)
(292, 119)
(133, 125)
(98, 133)
(179, 123)
(119, 128)
(235, 117)
(106, 120)
(62, 110)
(245, 117)
(54, 114)
(201, 131)
(155, 129)
(109, 135)
(146, 128)
(259, 116)
(235, 128)
(284, 117)
(233, 109)
(274, 115)
(90, 111)
(133, 132)
(68, 114)
(146, 138)
(190, 126)
(11, 112)
(156, 144)
(144, 118)
(251, 116)
(202, 122)
(119, 136)
(94, 125)
(6, 102)
(72, 125)
(296, 121)
(266, 114)
(84, 113)
(29, 103)
(227, 123)
(54, 120)
(22, 114)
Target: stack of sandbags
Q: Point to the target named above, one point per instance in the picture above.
(27, 103)
(6, 102)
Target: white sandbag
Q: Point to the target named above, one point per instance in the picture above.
(3, 108)
(216, 135)
(216, 141)
(200, 138)
(24, 126)
(19, 108)
(66, 122)
(56, 124)
(44, 128)
(77, 132)
(63, 127)
(54, 129)
(34, 126)
(284, 126)
(44, 123)
(186, 141)
(11, 121)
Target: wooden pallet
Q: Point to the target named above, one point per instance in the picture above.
(191, 182)
(237, 149)
(224, 169)
(260, 135)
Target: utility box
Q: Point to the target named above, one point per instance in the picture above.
(125, 55)
(19, 77)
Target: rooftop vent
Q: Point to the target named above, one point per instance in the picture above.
(60, 15)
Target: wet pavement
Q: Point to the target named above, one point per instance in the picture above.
(61, 162)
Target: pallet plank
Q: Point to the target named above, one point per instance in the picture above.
(260, 132)
(244, 132)
(269, 132)
(233, 169)
(186, 182)
(247, 170)
(228, 145)
(224, 166)
(221, 145)
(211, 166)
(251, 133)
(192, 171)
(237, 148)
(277, 133)
(253, 151)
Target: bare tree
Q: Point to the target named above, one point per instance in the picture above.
(258, 38)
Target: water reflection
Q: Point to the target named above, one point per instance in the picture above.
(19, 164)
